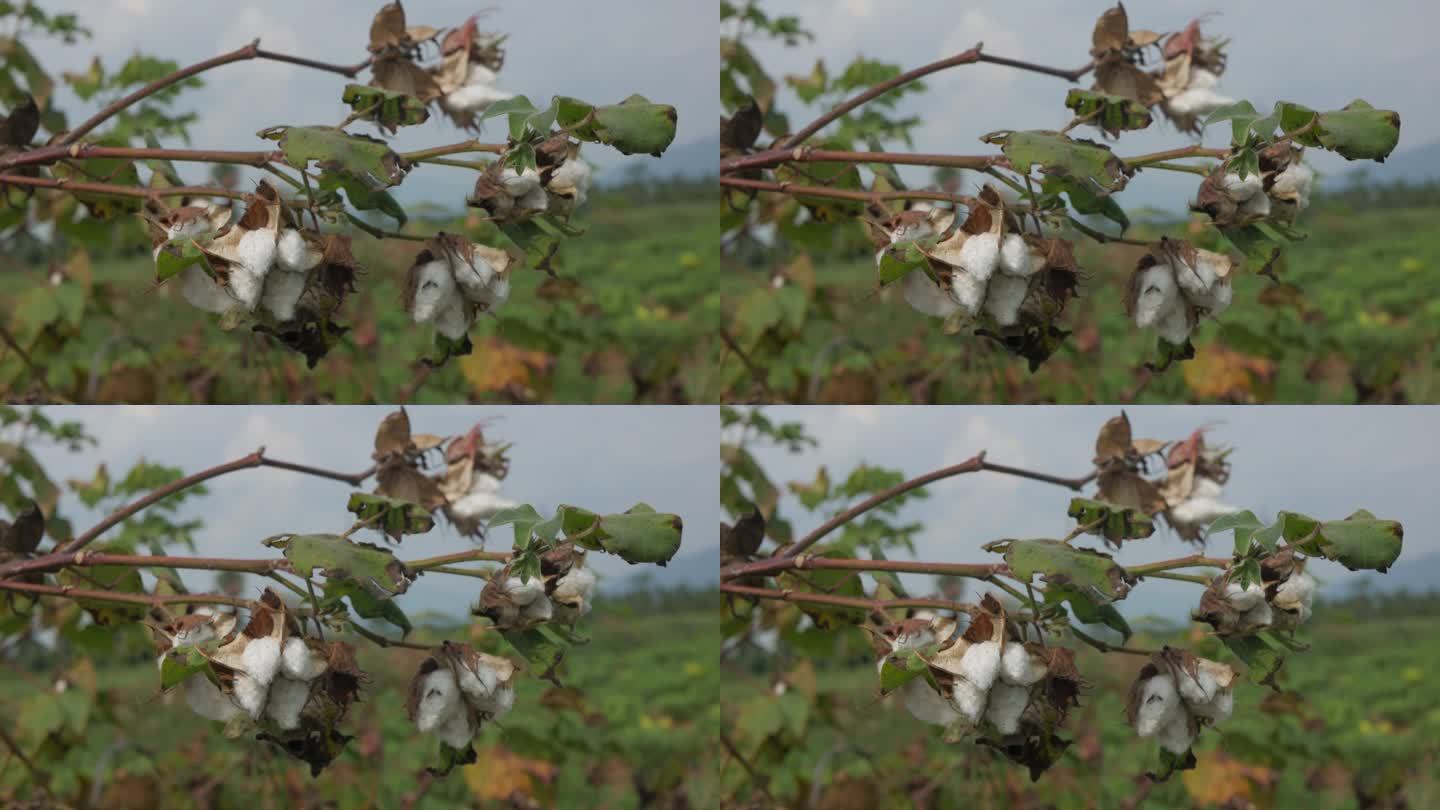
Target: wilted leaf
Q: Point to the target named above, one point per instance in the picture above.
(1114, 523)
(1092, 573)
(373, 567)
(388, 108)
(1113, 114)
(25, 533)
(391, 515)
(1091, 165)
(369, 160)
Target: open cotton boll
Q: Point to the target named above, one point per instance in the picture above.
(476, 94)
(480, 505)
(1007, 704)
(523, 593)
(1257, 206)
(571, 181)
(967, 291)
(980, 255)
(540, 610)
(474, 275)
(250, 693)
(981, 664)
(968, 699)
(1199, 277)
(1158, 295)
(1201, 79)
(926, 705)
(1004, 297)
(205, 293)
(283, 291)
(1296, 592)
(1241, 189)
(1197, 688)
(261, 659)
(1016, 257)
(926, 297)
(1174, 324)
(1217, 299)
(205, 699)
(247, 283)
(1197, 101)
(199, 634)
(1200, 510)
(287, 699)
(479, 684)
(1175, 735)
(1243, 599)
(300, 662)
(439, 699)
(1206, 488)
(452, 321)
(1257, 617)
(1159, 704)
(434, 289)
(1295, 182)
(575, 588)
(457, 731)
(534, 200)
(1020, 667)
(518, 184)
(295, 254)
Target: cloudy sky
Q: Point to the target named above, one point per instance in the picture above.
(600, 52)
(602, 458)
(1322, 461)
(1321, 53)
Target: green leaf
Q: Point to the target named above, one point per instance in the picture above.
(391, 108)
(1241, 115)
(894, 675)
(1094, 574)
(368, 160)
(1087, 202)
(1091, 166)
(523, 517)
(365, 604)
(640, 535)
(1262, 655)
(896, 264)
(1359, 132)
(1112, 114)
(180, 664)
(1360, 541)
(393, 516)
(374, 568)
(116, 578)
(1243, 523)
(1115, 523)
(634, 126)
(360, 196)
(544, 646)
(1087, 610)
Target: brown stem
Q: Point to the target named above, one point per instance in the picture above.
(1102, 237)
(121, 191)
(1069, 75)
(1192, 561)
(348, 71)
(807, 154)
(1194, 150)
(840, 601)
(1105, 646)
(148, 600)
(53, 154)
(975, 464)
(388, 642)
(459, 556)
(453, 149)
(770, 566)
(842, 194)
(82, 558)
(353, 479)
(383, 234)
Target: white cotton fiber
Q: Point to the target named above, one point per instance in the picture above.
(1217, 300)
(1201, 79)
(518, 184)
(261, 659)
(967, 291)
(479, 684)
(1206, 488)
(1200, 510)
(925, 296)
(579, 583)
(1257, 617)
(300, 662)
(981, 664)
(500, 703)
(540, 610)
(474, 275)
(927, 706)
(572, 178)
(534, 200)
(980, 255)
(523, 593)
(283, 291)
(1197, 278)
(1158, 295)
(287, 699)
(1297, 180)
(1243, 599)
(205, 699)
(1020, 667)
(1175, 735)
(1016, 258)
(204, 293)
(1240, 189)
(1159, 704)
(250, 694)
(1004, 298)
(439, 699)
(451, 320)
(456, 732)
(1007, 704)
(434, 288)
(968, 699)
(246, 284)
(478, 92)
(199, 634)
(1174, 324)
(1257, 206)
(1197, 101)
(1219, 709)
(295, 254)
(1197, 688)
(480, 505)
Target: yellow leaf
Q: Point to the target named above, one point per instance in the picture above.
(498, 367)
(502, 775)
(1219, 779)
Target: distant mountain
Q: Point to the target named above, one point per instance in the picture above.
(1416, 164)
(692, 160)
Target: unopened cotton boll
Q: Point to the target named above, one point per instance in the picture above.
(205, 293)
(439, 699)
(1243, 599)
(1158, 295)
(287, 700)
(1159, 704)
(434, 289)
(283, 291)
(981, 664)
(1175, 735)
(300, 662)
(926, 705)
(250, 693)
(980, 255)
(457, 731)
(1004, 298)
(968, 699)
(1020, 667)
(1240, 188)
(926, 297)
(261, 659)
(1007, 704)
(1174, 325)
(295, 254)
(205, 699)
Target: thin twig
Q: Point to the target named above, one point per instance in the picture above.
(755, 777)
(1102, 237)
(805, 562)
(121, 191)
(1192, 561)
(453, 149)
(841, 601)
(387, 642)
(807, 154)
(148, 600)
(1105, 646)
(843, 194)
(476, 555)
(383, 234)
(53, 154)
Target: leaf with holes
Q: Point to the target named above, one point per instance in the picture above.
(388, 108)
(393, 516)
(1114, 523)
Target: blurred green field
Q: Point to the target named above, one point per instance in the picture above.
(628, 321)
(1358, 727)
(1356, 320)
(641, 733)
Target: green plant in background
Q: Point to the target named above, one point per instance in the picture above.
(1006, 263)
(1005, 671)
(281, 264)
(281, 669)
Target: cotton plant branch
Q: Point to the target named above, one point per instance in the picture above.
(53, 154)
(843, 194)
(113, 190)
(118, 597)
(840, 601)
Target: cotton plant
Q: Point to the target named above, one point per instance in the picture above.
(562, 592)
(1283, 598)
(1276, 189)
(558, 183)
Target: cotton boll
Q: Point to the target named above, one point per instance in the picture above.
(1216, 300)
(1197, 101)
(1257, 206)
(1159, 704)
(980, 255)
(452, 320)
(1296, 592)
(926, 297)
(574, 590)
(457, 731)
(1016, 257)
(518, 184)
(540, 610)
(534, 200)
(261, 659)
(1004, 297)
(480, 506)
(295, 254)
(1199, 277)
(1205, 488)
(474, 275)
(299, 662)
(1020, 667)
(967, 291)
(477, 93)
(911, 232)
(1219, 709)
(500, 703)
(968, 700)
(247, 284)
(1201, 79)
(434, 288)
(287, 699)
(927, 706)
(1241, 189)
(1243, 599)
(1295, 182)
(205, 699)
(1197, 688)
(1175, 735)
(572, 178)
(1200, 510)
(283, 291)
(479, 684)
(439, 699)
(199, 634)
(1256, 618)
(250, 694)
(1158, 295)
(204, 293)
(981, 664)
(1174, 325)
(1007, 704)
(523, 593)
